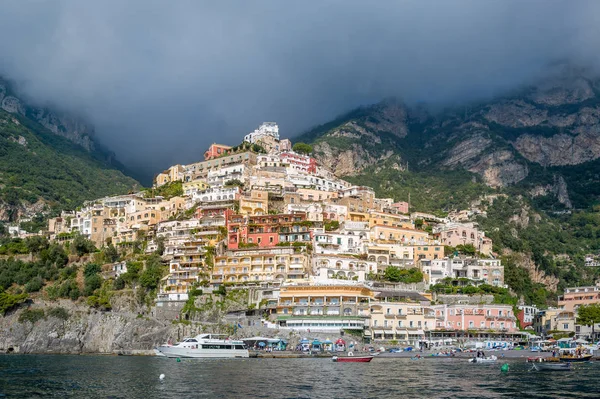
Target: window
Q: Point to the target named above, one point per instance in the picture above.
(388, 311)
(410, 323)
(385, 323)
(565, 326)
(399, 323)
(374, 323)
(471, 324)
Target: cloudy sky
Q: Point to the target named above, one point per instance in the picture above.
(161, 80)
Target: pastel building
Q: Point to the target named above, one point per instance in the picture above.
(337, 267)
(260, 265)
(325, 308)
(454, 234)
(266, 230)
(216, 150)
(265, 129)
(475, 317)
(402, 316)
(574, 297)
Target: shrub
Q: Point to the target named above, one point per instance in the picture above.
(31, 315)
(59, 313)
(9, 301)
(91, 269)
(34, 285)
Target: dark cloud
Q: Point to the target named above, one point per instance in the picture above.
(162, 80)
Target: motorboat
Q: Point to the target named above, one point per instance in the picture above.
(350, 358)
(205, 346)
(551, 366)
(575, 358)
(489, 359)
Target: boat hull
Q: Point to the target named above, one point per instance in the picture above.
(576, 359)
(352, 359)
(491, 359)
(551, 366)
(173, 351)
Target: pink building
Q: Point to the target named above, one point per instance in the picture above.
(475, 317)
(300, 162)
(401, 207)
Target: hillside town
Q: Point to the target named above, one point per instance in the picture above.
(315, 252)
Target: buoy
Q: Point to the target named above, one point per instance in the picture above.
(178, 360)
(161, 377)
(504, 367)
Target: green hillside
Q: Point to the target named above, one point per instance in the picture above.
(37, 164)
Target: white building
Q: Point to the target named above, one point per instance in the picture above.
(264, 130)
(330, 268)
(485, 271)
(215, 194)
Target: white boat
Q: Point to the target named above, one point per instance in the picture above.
(489, 359)
(205, 346)
(539, 366)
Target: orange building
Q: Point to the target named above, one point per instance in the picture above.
(216, 150)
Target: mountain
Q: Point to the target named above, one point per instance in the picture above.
(527, 163)
(49, 160)
(544, 139)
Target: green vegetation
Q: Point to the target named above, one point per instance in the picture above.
(234, 183)
(49, 167)
(168, 191)
(589, 315)
(32, 316)
(9, 301)
(59, 313)
(331, 225)
(398, 275)
(303, 148)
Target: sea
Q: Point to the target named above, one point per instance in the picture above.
(64, 376)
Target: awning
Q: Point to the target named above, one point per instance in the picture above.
(367, 333)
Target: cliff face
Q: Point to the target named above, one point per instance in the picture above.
(554, 123)
(67, 126)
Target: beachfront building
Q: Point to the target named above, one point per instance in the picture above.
(553, 320)
(574, 297)
(404, 316)
(494, 318)
(326, 308)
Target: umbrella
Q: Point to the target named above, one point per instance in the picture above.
(581, 341)
(261, 344)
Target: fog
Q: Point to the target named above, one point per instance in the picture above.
(162, 80)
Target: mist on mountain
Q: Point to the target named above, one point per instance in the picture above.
(161, 81)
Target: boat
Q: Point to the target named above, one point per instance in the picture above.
(350, 358)
(573, 355)
(551, 366)
(572, 359)
(205, 346)
(489, 359)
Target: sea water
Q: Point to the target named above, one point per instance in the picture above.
(62, 376)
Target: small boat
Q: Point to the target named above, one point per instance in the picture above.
(352, 359)
(572, 359)
(489, 359)
(551, 366)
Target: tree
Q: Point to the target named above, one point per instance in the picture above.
(589, 315)
(234, 182)
(419, 223)
(110, 254)
(82, 245)
(303, 148)
(392, 273)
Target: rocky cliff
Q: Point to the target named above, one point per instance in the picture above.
(552, 124)
(68, 126)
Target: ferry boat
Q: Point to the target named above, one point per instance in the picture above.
(205, 346)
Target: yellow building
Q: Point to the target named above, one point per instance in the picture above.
(326, 308)
(401, 316)
(390, 235)
(259, 265)
(187, 269)
(174, 173)
(389, 219)
(257, 203)
(194, 185)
